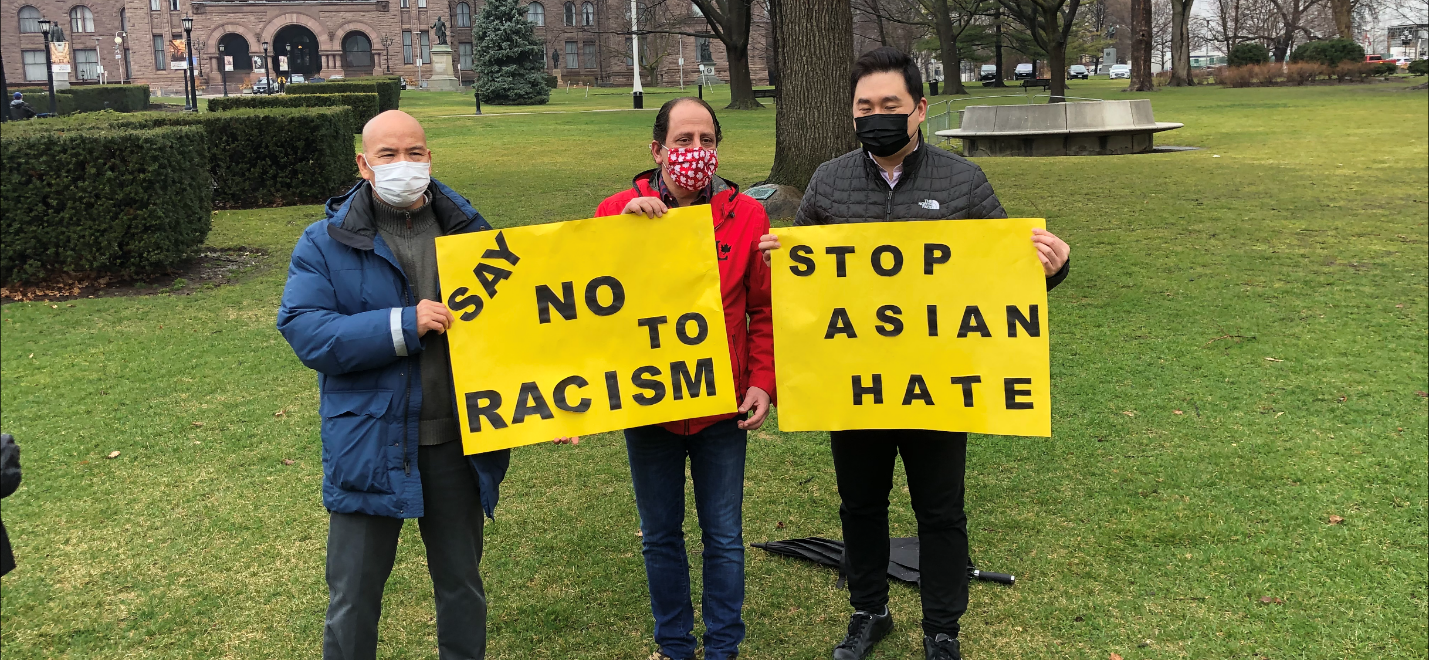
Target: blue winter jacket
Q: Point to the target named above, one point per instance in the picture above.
(349, 313)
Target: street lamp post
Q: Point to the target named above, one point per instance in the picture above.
(637, 92)
(119, 57)
(267, 71)
(223, 70)
(386, 61)
(288, 48)
(45, 27)
(198, 55)
(188, 23)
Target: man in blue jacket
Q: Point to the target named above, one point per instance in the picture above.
(361, 308)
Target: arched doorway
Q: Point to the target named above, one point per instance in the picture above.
(356, 54)
(236, 47)
(303, 57)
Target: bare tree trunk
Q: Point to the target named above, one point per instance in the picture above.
(1056, 56)
(813, 121)
(997, 47)
(1181, 44)
(771, 47)
(1141, 80)
(948, 49)
(741, 86)
(730, 21)
(1344, 13)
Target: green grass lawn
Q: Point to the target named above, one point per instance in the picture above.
(1238, 355)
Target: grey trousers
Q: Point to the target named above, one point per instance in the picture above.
(362, 548)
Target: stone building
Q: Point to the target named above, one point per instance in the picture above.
(133, 39)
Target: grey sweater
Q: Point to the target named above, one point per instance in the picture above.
(412, 237)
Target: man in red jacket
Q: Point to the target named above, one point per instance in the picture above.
(684, 148)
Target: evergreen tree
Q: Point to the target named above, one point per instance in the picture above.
(510, 61)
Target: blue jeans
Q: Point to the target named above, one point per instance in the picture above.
(657, 469)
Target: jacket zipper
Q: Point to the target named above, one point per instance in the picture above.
(407, 407)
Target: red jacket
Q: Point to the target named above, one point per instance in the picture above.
(739, 221)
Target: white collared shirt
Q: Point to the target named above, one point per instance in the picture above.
(897, 173)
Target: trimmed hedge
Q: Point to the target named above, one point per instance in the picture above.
(388, 90)
(364, 106)
(1329, 52)
(122, 201)
(120, 98)
(260, 157)
(40, 101)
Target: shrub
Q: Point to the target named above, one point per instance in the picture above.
(552, 82)
(1329, 52)
(1356, 71)
(1266, 75)
(259, 157)
(1384, 69)
(120, 98)
(1299, 73)
(388, 90)
(511, 68)
(364, 106)
(1248, 53)
(40, 101)
(124, 201)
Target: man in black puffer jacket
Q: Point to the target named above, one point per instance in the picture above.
(896, 177)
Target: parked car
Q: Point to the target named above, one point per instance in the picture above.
(262, 86)
(317, 79)
(1402, 62)
(335, 78)
(1119, 71)
(1077, 71)
(1023, 71)
(1374, 58)
(296, 78)
(988, 73)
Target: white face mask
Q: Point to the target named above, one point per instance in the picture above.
(401, 183)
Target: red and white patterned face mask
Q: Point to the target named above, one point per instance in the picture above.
(691, 168)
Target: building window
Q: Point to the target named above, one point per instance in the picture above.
(463, 14)
(155, 5)
(421, 4)
(536, 14)
(124, 20)
(590, 58)
(34, 64)
(587, 14)
(426, 47)
(570, 14)
(406, 47)
(573, 61)
(464, 53)
(29, 19)
(357, 51)
(86, 64)
(81, 19)
(695, 10)
(160, 53)
(173, 5)
(406, 4)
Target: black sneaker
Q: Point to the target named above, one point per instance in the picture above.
(941, 647)
(864, 630)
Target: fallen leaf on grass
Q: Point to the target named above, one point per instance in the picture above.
(1335, 520)
(1280, 413)
(281, 413)
(1423, 394)
(198, 424)
(1271, 359)
(113, 454)
(1271, 599)
(779, 525)
(1129, 413)
(1115, 656)
(1177, 412)
(287, 461)
(1399, 306)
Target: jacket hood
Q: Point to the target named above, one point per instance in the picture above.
(350, 218)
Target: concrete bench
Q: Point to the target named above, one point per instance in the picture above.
(1059, 129)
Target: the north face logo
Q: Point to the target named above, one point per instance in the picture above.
(930, 204)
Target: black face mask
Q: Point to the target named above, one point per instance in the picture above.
(883, 135)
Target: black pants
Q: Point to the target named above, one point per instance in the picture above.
(935, 462)
(362, 548)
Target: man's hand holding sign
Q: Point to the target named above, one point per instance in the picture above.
(559, 331)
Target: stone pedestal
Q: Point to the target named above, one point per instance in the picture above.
(443, 73)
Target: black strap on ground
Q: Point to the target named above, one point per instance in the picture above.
(902, 558)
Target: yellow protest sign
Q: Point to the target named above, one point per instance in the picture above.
(585, 326)
(912, 325)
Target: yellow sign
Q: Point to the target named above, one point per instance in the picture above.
(585, 326)
(912, 325)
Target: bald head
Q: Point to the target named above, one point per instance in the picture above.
(391, 137)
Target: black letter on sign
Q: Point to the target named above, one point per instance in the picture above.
(617, 295)
(972, 322)
(889, 314)
(1015, 318)
(565, 305)
(653, 325)
(530, 402)
(932, 320)
(917, 390)
(800, 255)
(490, 276)
(559, 394)
(475, 409)
(680, 373)
(839, 251)
(612, 389)
(876, 389)
(702, 329)
(967, 383)
(641, 378)
(839, 324)
(933, 255)
(877, 260)
(1010, 393)
(502, 252)
(457, 302)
